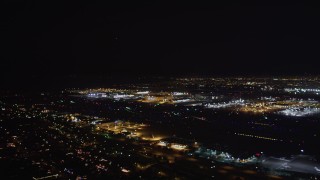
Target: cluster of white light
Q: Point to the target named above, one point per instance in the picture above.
(119, 96)
(302, 90)
(181, 100)
(143, 92)
(151, 98)
(299, 112)
(97, 95)
(162, 143)
(239, 102)
(179, 93)
(268, 98)
(113, 95)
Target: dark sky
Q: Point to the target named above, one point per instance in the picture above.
(46, 39)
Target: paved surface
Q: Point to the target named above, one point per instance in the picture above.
(300, 163)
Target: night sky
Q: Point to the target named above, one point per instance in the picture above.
(42, 40)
